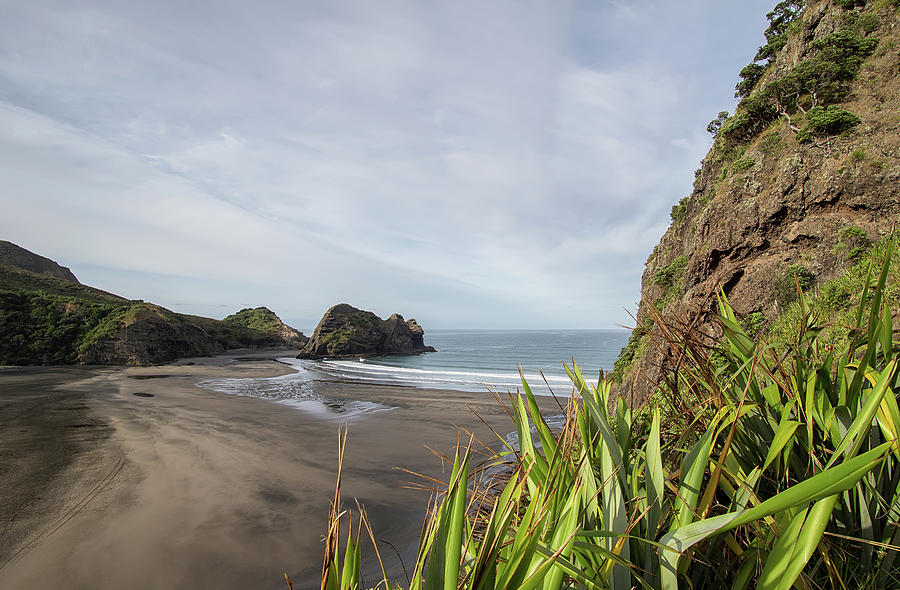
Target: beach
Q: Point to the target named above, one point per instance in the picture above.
(138, 478)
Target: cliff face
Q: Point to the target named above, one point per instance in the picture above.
(18, 257)
(794, 187)
(346, 331)
(148, 334)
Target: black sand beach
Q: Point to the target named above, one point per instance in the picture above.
(135, 477)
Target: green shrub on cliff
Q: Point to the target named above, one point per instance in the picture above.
(834, 304)
(829, 120)
(679, 209)
(742, 164)
(669, 277)
(41, 328)
(259, 318)
(666, 275)
(819, 80)
(636, 345)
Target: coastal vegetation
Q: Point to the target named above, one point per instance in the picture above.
(263, 321)
(807, 92)
(749, 433)
(756, 464)
(49, 320)
(799, 182)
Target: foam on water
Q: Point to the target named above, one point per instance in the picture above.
(296, 390)
(467, 360)
(371, 371)
(470, 360)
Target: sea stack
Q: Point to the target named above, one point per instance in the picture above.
(346, 331)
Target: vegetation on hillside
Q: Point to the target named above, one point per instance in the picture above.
(41, 328)
(767, 458)
(14, 279)
(805, 109)
(751, 467)
(804, 96)
(50, 321)
(260, 319)
(351, 327)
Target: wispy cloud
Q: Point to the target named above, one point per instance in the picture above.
(470, 163)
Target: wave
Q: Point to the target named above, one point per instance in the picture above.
(369, 371)
(296, 390)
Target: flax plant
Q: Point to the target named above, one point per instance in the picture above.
(788, 476)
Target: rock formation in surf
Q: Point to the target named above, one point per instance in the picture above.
(346, 331)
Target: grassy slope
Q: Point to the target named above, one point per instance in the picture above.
(15, 279)
(260, 319)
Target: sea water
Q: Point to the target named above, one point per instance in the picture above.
(475, 360)
(466, 360)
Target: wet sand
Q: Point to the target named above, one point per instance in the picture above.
(137, 478)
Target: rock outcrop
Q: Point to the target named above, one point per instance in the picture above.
(264, 320)
(346, 331)
(18, 257)
(147, 335)
(770, 202)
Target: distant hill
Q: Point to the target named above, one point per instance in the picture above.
(47, 319)
(19, 257)
(264, 320)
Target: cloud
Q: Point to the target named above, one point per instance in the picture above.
(473, 163)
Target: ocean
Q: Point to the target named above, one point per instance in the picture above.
(471, 360)
(466, 360)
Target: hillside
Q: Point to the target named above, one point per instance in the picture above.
(800, 184)
(263, 319)
(46, 320)
(18, 257)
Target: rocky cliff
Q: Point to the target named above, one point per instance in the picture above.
(798, 182)
(346, 331)
(146, 334)
(18, 257)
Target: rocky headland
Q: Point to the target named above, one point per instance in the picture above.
(47, 317)
(800, 181)
(346, 331)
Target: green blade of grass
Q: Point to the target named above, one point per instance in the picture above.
(863, 421)
(782, 436)
(693, 467)
(795, 546)
(829, 482)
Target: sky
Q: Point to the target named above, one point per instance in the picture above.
(472, 164)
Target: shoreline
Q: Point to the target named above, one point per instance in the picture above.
(180, 486)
